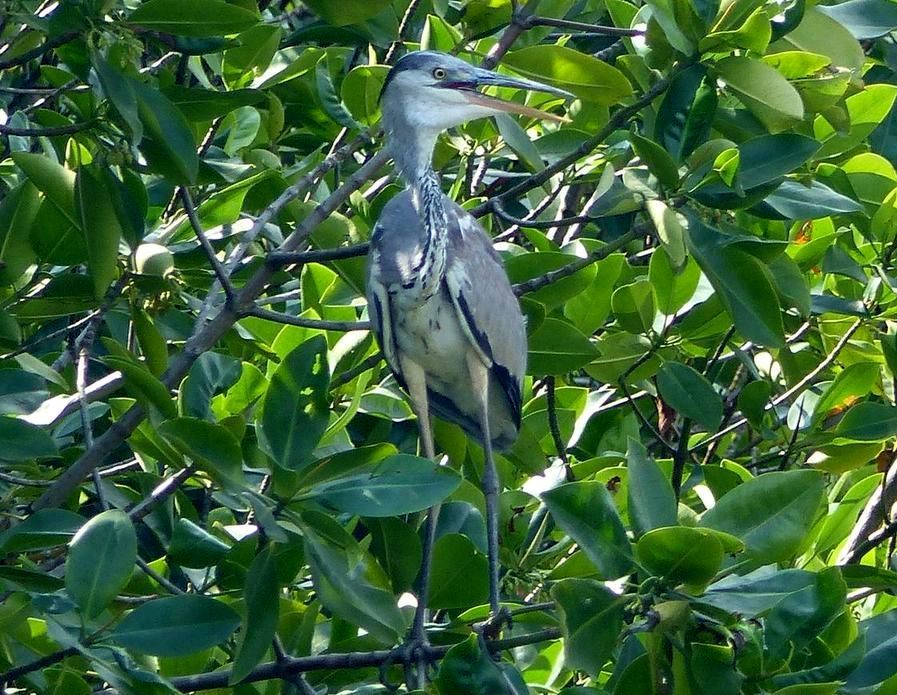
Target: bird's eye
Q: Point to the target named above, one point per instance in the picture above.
(439, 73)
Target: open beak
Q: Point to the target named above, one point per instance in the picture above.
(487, 78)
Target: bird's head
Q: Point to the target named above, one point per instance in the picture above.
(432, 91)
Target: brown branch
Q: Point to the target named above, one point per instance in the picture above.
(596, 29)
(49, 131)
(279, 259)
(793, 391)
(616, 121)
(279, 317)
(347, 660)
(220, 272)
(538, 283)
(201, 341)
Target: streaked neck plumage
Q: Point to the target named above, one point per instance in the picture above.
(412, 149)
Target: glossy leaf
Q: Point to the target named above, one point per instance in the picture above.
(652, 503)
(690, 394)
(591, 619)
(100, 561)
(295, 411)
(176, 625)
(771, 513)
(585, 511)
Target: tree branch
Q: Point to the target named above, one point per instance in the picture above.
(279, 317)
(596, 29)
(49, 131)
(577, 265)
(616, 120)
(303, 664)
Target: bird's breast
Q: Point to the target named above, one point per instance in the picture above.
(430, 335)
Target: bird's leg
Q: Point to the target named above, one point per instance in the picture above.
(416, 381)
(479, 377)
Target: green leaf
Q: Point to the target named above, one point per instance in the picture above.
(459, 577)
(868, 422)
(556, 347)
(295, 409)
(45, 528)
(173, 147)
(591, 620)
(680, 554)
(652, 503)
(756, 593)
(771, 513)
(657, 159)
(713, 667)
(586, 513)
(818, 33)
(176, 625)
(743, 283)
(360, 92)
(794, 200)
(139, 379)
(100, 561)
(348, 580)
(193, 546)
(400, 484)
(880, 661)
(800, 617)
(634, 307)
(262, 597)
(686, 113)
(213, 447)
(23, 441)
(690, 394)
(587, 77)
(865, 111)
(99, 221)
(194, 18)
(119, 89)
(211, 374)
(207, 104)
(346, 11)
(18, 210)
(852, 382)
(467, 668)
(768, 95)
(865, 19)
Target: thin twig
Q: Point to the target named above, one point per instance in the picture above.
(279, 259)
(595, 29)
(616, 121)
(49, 131)
(360, 368)
(577, 264)
(220, 272)
(553, 426)
(794, 390)
(290, 320)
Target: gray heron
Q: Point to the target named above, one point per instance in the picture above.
(439, 300)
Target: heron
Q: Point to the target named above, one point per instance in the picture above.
(440, 303)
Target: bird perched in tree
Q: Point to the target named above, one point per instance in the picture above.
(439, 300)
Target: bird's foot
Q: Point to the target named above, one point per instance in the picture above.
(415, 655)
(491, 627)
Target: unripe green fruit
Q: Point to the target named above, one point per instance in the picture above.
(153, 259)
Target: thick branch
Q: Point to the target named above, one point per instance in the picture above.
(303, 664)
